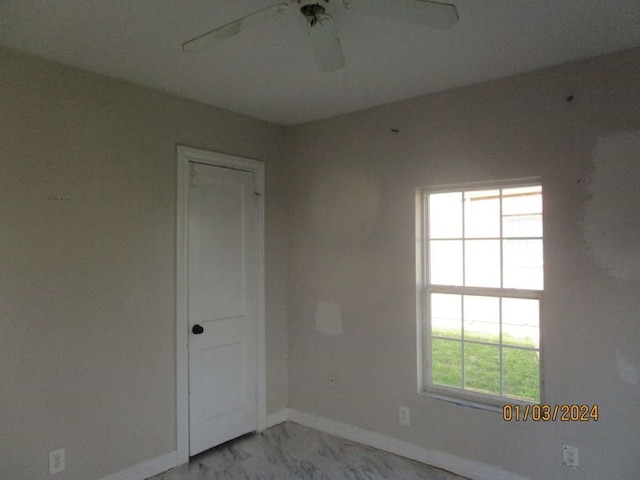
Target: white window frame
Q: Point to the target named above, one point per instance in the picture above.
(424, 289)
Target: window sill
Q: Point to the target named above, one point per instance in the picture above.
(463, 401)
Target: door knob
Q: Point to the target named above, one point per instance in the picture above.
(197, 329)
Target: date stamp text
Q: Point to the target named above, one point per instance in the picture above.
(571, 412)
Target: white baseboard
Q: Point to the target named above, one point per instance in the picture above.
(146, 469)
(166, 462)
(278, 417)
(467, 468)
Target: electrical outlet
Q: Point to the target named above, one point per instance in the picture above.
(404, 415)
(56, 461)
(570, 456)
(332, 380)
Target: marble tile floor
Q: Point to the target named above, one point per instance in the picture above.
(290, 452)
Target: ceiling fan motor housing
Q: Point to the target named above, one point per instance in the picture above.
(312, 8)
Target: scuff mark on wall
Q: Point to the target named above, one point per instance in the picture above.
(612, 215)
(626, 370)
(328, 318)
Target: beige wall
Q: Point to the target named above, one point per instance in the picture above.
(87, 204)
(87, 264)
(352, 243)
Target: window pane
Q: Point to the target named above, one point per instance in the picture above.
(482, 318)
(482, 368)
(482, 263)
(446, 362)
(445, 260)
(482, 214)
(529, 225)
(486, 239)
(521, 373)
(445, 215)
(520, 322)
(522, 200)
(523, 264)
(522, 212)
(446, 315)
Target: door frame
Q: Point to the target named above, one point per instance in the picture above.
(184, 156)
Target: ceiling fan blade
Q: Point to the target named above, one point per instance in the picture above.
(420, 12)
(230, 29)
(325, 43)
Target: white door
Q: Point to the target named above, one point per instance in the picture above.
(223, 305)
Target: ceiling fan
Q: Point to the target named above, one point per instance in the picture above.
(323, 34)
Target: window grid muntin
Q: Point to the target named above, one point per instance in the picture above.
(464, 290)
(490, 344)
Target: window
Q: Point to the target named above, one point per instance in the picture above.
(481, 271)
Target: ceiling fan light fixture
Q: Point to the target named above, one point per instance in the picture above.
(312, 10)
(323, 35)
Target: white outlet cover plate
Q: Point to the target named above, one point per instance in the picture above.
(570, 456)
(404, 415)
(56, 461)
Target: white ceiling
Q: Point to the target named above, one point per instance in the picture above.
(269, 72)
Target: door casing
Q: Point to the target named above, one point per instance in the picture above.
(185, 155)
